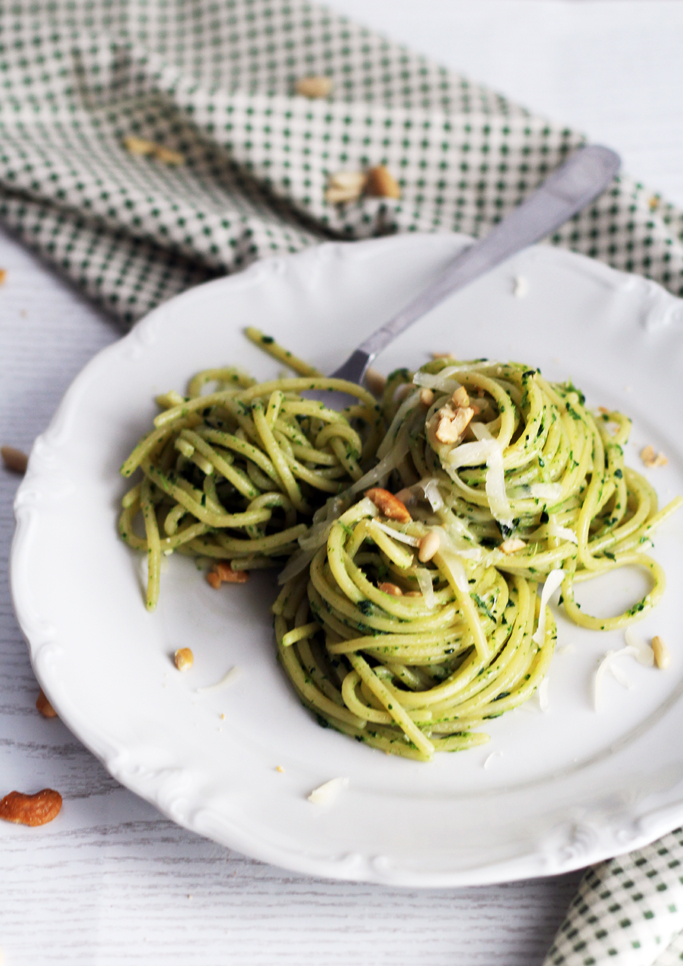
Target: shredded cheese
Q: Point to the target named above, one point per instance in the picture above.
(552, 582)
(378, 474)
(639, 647)
(397, 535)
(430, 488)
(495, 485)
(456, 570)
(520, 286)
(546, 491)
(636, 648)
(227, 678)
(562, 533)
(424, 582)
(489, 758)
(328, 792)
(438, 381)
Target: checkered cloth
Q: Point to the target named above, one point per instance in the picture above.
(628, 911)
(214, 81)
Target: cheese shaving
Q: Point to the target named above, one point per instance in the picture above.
(470, 454)
(424, 582)
(636, 648)
(490, 757)
(456, 570)
(392, 434)
(430, 488)
(227, 678)
(546, 491)
(520, 286)
(386, 464)
(495, 485)
(328, 792)
(639, 647)
(438, 381)
(552, 582)
(397, 535)
(562, 533)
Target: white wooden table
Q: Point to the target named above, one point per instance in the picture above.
(111, 882)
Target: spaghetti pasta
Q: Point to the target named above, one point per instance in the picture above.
(237, 473)
(417, 533)
(518, 485)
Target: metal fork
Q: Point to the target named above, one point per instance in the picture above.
(569, 189)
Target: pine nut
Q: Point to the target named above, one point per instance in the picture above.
(426, 398)
(648, 456)
(14, 459)
(661, 651)
(429, 545)
(382, 184)
(230, 576)
(214, 579)
(168, 155)
(392, 589)
(388, 504)
(460, 397)
(183, 659)
(512, 546)
(44, 706)
(314, 86)
(140, 147)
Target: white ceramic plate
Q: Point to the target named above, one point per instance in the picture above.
(565, 788)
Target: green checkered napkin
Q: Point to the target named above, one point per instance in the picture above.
(628, 911)
(215, 82)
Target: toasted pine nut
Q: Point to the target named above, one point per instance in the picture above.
(382, 184)
(647, 455)
(14, 459)
(388, 504)
(413, 593)
(138, 146)
(183, 659)
(44, 706)
(426, 398)
(375, 381)
(460, 397)
(429, 545)
(168, 155)
(230, 576)
(392, 589)
(213, 578)
(661, 652)
(442, 355)
(512, 545)
(280, 769)
(3, 275)
(314, 86)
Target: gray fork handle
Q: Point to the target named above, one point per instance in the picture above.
(569, 189)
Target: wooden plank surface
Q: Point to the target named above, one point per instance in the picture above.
(111, 882)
